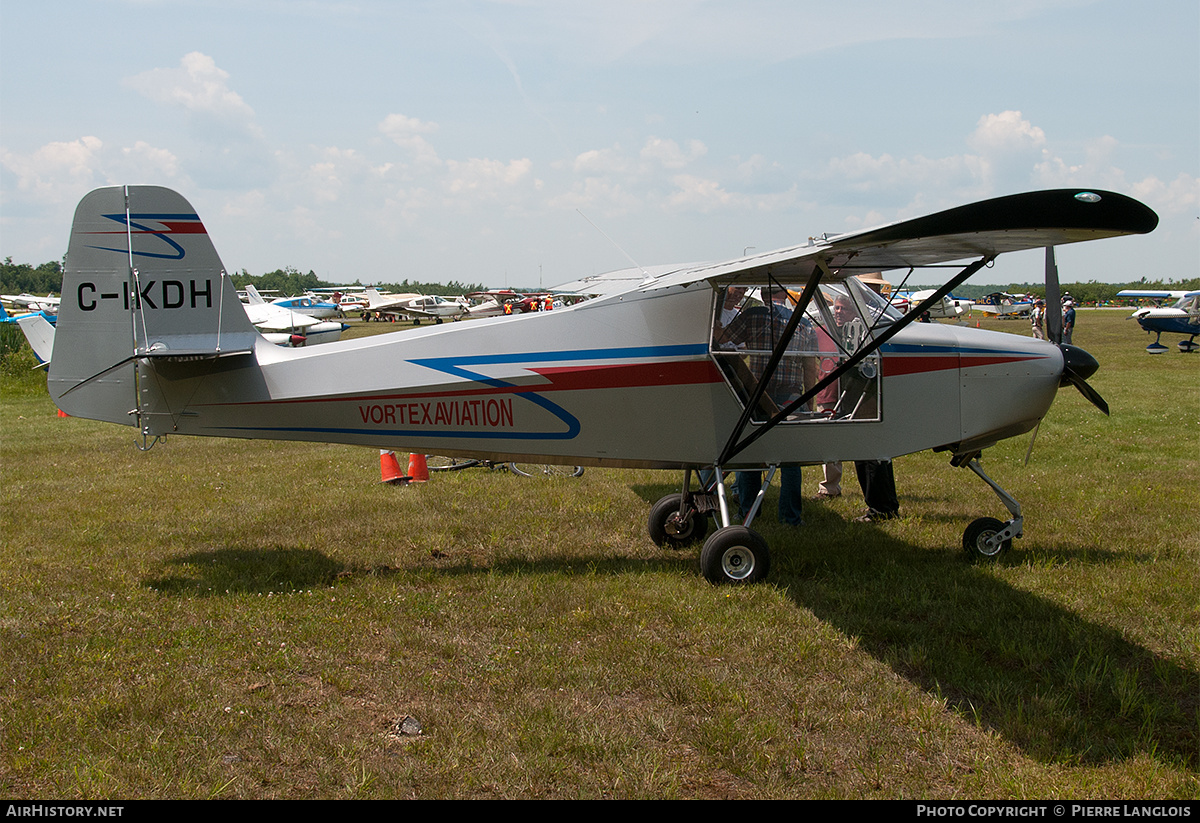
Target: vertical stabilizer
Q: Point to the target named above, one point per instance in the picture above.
(142, 282)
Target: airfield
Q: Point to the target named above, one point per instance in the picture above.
(240, 619)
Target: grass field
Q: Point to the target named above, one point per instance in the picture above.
(219, 618)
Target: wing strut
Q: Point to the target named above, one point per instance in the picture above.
(785, 339)
(734, 446)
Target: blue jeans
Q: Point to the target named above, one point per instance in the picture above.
(791, 493)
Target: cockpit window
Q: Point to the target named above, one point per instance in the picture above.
(750, 320)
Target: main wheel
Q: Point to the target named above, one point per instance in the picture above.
(438, 463)
(735, 554)
(672, 531)
(544, 470)
(976, 535)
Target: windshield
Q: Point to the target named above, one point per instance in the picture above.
(749, 322)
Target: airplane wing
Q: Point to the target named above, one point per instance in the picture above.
(283, 320)
(1152, 294)
(621, 280)
(390, 302)
(979, 230)
(33, 302)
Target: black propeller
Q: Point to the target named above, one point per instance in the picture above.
(1078, 365)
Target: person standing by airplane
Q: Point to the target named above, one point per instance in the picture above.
(1037, 319)
(876, 477)
(1068, 326)
(757, 327)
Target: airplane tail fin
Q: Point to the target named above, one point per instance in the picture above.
(40, 335)
(142, 282)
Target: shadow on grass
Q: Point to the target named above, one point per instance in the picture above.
(224, 571)
(1061, 688)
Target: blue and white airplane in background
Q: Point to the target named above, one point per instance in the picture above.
(5, 317)
(288, 327)
(311, 305)
(1182, 317)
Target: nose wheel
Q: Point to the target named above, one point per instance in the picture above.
(987, 538)
(983, 540)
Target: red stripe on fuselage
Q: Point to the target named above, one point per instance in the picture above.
(563, 378)
(628, 376)
(896, 365)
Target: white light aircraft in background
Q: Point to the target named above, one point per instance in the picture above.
(286, 327)
(31, 302)
(417, 306)
(1003, 304)
(949, 307)
(641, 378)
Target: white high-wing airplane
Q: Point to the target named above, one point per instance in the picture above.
(1182, 317)
(152, 335)
(429, 306)
(287, 327)
(1003, 304)
(948, 307)
(47, 304)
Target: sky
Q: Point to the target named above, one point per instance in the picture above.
(527, 143)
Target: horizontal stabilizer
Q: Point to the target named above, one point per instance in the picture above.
(40, 335)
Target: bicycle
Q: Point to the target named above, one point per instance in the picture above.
(439, 463)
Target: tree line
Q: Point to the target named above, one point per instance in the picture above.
(16, 278)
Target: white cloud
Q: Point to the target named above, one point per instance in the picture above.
(485, 179)
(1006, 133)
(699, 194)
(601, 161)
(408, 133)
(198, 86)
(1178, 196)
(669, 153)
(57, 171)
(141, 161)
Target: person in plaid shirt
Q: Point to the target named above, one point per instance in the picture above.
(758, 328)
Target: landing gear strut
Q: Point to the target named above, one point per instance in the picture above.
(731, 554)
(987, 538)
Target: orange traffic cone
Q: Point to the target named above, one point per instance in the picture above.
(389, 468)
(418, 469)
(62, 413)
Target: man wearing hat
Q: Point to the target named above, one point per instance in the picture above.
(1068, 325)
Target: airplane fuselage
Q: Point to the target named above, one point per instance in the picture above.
(556, 385)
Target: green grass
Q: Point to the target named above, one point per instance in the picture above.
(239, 619)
